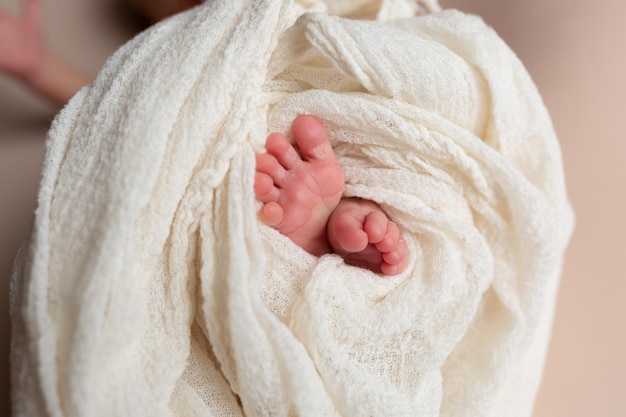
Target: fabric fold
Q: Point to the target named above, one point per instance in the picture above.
(149, 287)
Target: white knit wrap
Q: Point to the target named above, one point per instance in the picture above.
(149, 288)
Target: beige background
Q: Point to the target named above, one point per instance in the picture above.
(574, 50)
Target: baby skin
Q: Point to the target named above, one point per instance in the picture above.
(301, 187)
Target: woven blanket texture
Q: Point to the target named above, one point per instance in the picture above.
(148, 286)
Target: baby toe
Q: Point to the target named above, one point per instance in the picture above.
(271, 214)
(312, 139)
(394, 269)
(390, 240)
(282, 150)
(345, 233)
(398, 256)
(389, 269)
(267, 164)
(264, 188)
(375, 225)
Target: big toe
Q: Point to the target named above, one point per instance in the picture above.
(311, 138)
(346, 235)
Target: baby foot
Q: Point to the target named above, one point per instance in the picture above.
(300, 187)
(363, 235)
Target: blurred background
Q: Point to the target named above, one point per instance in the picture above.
(573, 49)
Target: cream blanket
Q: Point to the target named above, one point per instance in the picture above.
(149, 288)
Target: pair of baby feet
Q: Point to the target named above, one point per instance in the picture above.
(301, 188)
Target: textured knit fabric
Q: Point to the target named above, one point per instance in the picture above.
(149, 288)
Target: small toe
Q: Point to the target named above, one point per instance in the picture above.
(264, 188)
(271, 214)
(375, 225)
(280, 148)
(390, 240)
(394, 269)
(389, 269)
(397, 257)
(269, 165)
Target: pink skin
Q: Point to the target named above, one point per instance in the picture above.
(302, 195)
(300, 189)
(21, 49)
(23, 55)
(360, 231)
